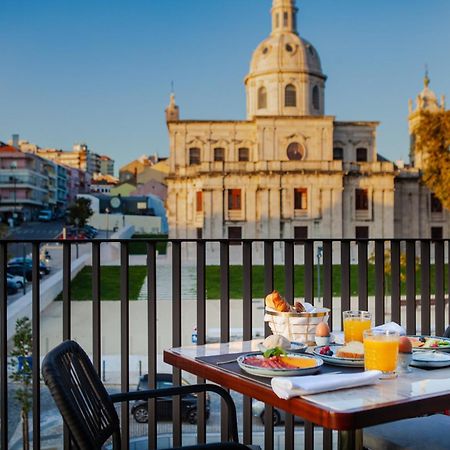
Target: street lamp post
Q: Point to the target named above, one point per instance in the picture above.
(107, 222)
(77, 222)
(319, 255)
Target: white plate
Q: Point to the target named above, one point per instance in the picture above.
(296, 347)
(273, 372)
(430, 359)
(335, 361)
(445, 348)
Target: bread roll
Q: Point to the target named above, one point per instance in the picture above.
(276, 302)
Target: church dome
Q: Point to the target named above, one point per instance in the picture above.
(285, 77)
(427, 100)
(286, 52)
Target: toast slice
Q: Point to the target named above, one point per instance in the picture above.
(353, 349)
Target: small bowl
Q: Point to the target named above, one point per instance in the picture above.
(322, 340)
(403, 362)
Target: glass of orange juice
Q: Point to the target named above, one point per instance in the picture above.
(355, 322)
(381, 351)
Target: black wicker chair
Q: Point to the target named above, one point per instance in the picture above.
(88, 410)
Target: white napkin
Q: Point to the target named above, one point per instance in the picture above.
(392, 326)
(288, 387)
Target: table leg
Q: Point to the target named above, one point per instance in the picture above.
(350, 440)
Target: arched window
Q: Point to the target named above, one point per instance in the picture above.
(262, 98)
(290, 95)
(315, 98)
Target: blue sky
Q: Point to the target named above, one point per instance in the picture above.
(99, 71)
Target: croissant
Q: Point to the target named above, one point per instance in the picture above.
(275, 301)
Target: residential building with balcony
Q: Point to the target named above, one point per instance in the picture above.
(106, 165)
(289, 170)
(51, 170)
(81, 157)
(25, 184)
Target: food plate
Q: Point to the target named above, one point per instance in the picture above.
(296, 347)
(430, 359)
(336, 361)
(252, 364)
(441, 344)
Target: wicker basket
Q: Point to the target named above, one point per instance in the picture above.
(297, 327)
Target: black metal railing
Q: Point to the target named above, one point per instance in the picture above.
(387, 274)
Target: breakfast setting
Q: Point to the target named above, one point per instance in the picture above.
(303, 357)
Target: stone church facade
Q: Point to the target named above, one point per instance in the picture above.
(289, 170)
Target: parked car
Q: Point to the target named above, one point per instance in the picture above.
(43, 268)
(19, 280)
(92, 231)
(23, 270)
(164, 404)
(11, 287)
(45, 215)
(258, 409)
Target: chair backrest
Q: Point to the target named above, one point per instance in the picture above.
(81, 397)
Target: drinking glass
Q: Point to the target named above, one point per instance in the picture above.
(355, 322)
(381, 351)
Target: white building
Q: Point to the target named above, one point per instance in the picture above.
(288, 170)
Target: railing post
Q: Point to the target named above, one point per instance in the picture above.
(425, 303)
(379, 283)
(201, 333)
(3, 349)
(440, 288)
(410, 287)
(36, 315)
(268, 288)
(363, 302)
(124, 342)
(176, 337)
(66, 326)
(151, 341)
(96, 306)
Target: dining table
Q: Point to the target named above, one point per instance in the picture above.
(412, 394)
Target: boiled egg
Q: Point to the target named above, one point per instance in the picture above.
(322, 329)
(404, 345)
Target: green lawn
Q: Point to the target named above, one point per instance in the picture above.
(236, 281)
(110, 281)
(81, 286)
(140, 248)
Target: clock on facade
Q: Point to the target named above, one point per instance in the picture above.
(115, 202)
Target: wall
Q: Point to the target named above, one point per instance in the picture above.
(49, 289)
(142, 224)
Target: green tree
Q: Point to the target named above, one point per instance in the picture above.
(22, 373)
(80, 210)
(433, 140)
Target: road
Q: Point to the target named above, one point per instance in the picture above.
(51, 423)
(32, 230)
